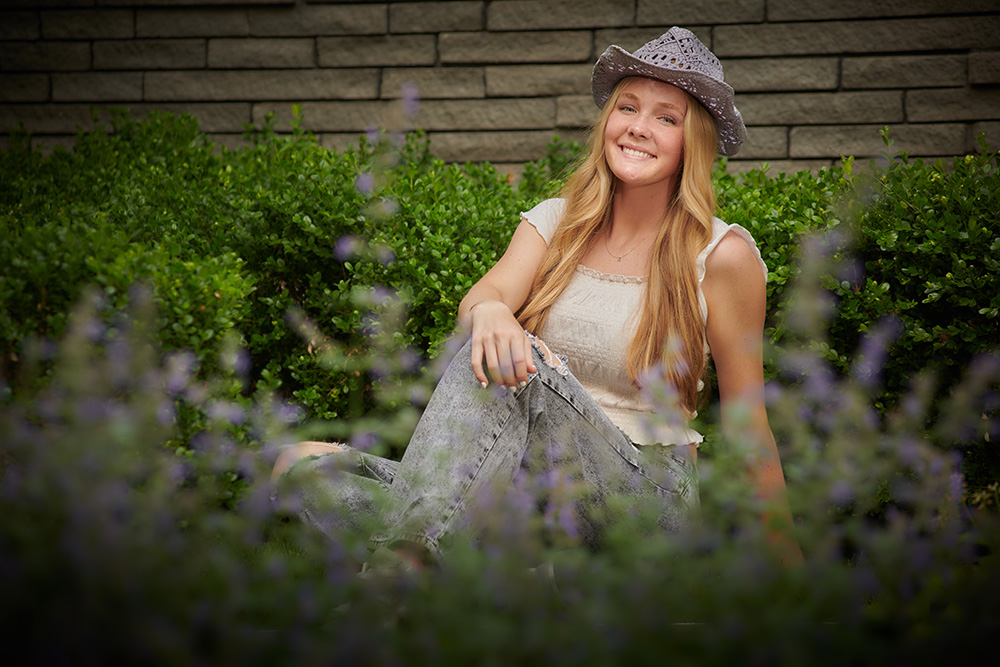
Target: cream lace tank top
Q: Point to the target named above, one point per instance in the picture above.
(592, 324)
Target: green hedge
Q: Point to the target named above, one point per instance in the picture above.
(232, 241)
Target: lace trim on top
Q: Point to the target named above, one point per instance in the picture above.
(609, 277)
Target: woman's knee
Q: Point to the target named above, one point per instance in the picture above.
(302, 450)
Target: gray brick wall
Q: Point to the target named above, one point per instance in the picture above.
(497, 78)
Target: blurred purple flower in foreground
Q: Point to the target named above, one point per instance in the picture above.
(364, 440)
(874, 349)
(180, 367)
(365, 184)
(410, 96)
(347, 246)
(386, 255)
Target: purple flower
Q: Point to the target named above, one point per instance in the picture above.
(180, 367)
(956, 485)
(909, 451)
(119, 366)
(386, 207)
(275, 568)
(410, 96)
(871, 358)
(936, 466)
(773, 392)
(380, 370)
(241, 363)
(381, 295)
(224, 411)
(346, 247)
(840, 492)
(94, 330)
(409, 360)
(257, 504)
(567, 520)
(92, 410)
(364, 440)
(179, 472)
(287, 413)
(365, 184)
(820, 384)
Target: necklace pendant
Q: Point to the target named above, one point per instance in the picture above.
(620, 259)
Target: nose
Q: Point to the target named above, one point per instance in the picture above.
(639, 127)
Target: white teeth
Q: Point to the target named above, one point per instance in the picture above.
(634, 153)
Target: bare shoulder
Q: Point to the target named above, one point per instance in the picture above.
(732, 260)
(736, 295)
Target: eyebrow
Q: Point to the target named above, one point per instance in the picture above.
(668, 105)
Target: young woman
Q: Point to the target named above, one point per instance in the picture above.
(624, 284)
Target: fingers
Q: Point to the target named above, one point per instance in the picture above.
(530, 365)
(477, 362)
(501, 350)
(494, 363)
(507, 359)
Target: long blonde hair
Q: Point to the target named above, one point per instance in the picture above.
(671, 312)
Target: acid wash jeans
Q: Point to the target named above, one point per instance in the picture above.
(472, 444)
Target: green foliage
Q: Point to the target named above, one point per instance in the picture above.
(928, 236)
(902, 256)
(154, 561)
(231, 242)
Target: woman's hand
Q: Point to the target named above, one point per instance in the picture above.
(487, 312)
(499, 340)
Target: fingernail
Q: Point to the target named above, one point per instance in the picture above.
(512, 389)
(523, 384)
(483, 385)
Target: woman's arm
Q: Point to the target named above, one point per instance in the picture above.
(735, 293)
(487, 311)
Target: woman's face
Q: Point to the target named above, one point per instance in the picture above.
(644, 137)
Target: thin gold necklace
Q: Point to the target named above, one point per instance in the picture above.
(608, 250)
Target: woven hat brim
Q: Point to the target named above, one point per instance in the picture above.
(616, 64)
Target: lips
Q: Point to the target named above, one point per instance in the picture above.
(632, 152)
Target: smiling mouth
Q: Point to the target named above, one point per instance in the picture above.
(634, 153)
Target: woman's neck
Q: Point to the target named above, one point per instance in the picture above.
(639, 211)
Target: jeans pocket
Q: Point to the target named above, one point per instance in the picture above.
(674, 473)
